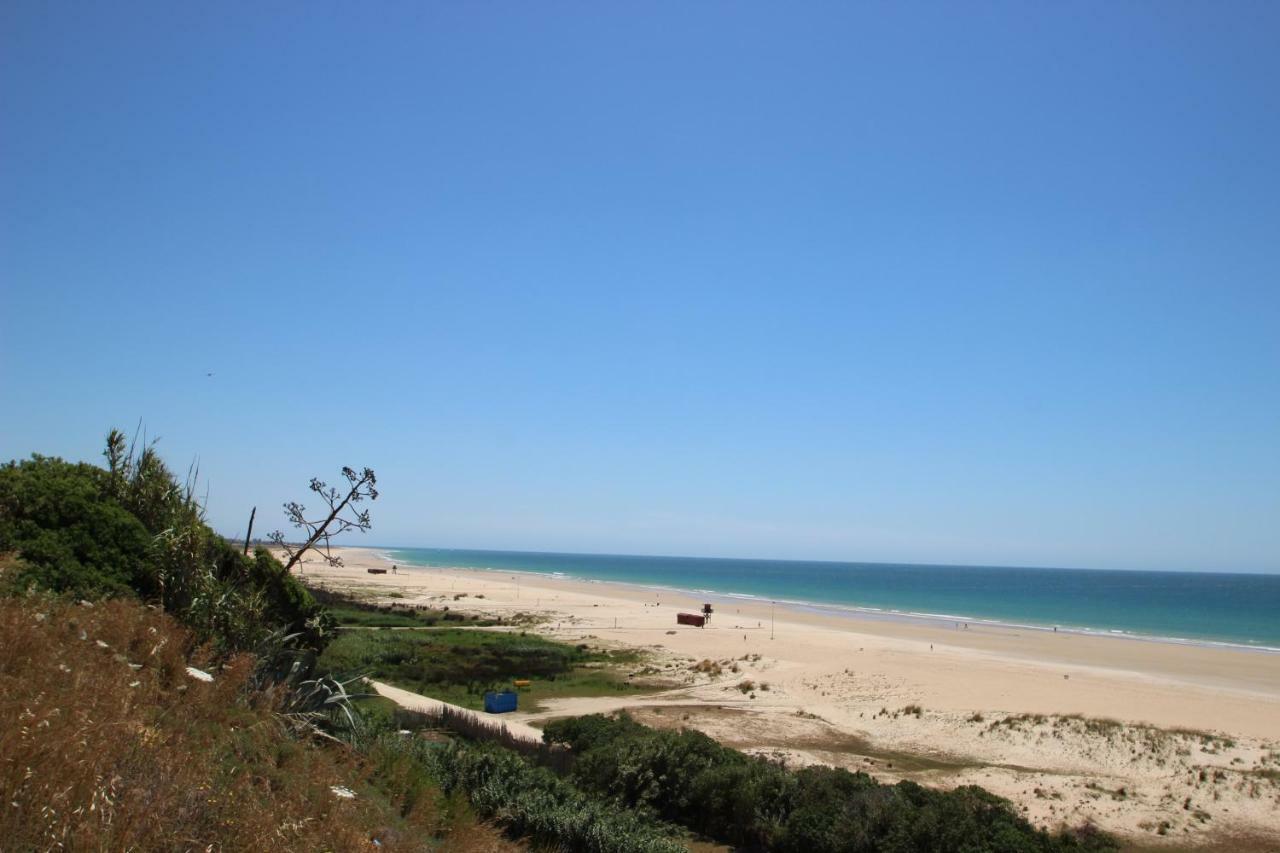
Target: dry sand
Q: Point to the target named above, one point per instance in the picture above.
(1069, 727)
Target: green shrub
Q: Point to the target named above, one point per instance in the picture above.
(288, 602)
(534, 803)
(133, 529)
(477, 660)
(73, 536)
(687, 778)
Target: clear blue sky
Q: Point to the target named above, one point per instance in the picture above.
(976, 283)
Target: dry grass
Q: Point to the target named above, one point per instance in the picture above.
(707, 667)
(109, 744)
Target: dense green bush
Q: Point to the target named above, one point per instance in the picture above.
(687, 778)
(133, 529)
(532, 802)
(74, 537)
(286, 602)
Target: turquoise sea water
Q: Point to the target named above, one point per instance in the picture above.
(1196, 606)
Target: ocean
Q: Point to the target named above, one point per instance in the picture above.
(1204, 607)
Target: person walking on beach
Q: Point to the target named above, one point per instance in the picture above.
(393, 570)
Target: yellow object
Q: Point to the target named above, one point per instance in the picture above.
(521, 682)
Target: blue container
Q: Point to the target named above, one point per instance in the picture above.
(500, 703)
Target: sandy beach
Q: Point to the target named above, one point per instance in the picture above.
(1161, 743)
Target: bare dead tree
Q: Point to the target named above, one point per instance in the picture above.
(342, 516)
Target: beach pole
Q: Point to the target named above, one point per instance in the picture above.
(249, 535)
(771, 604)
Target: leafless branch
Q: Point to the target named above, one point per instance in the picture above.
(341, 516)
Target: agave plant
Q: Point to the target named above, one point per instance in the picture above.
(308, 699)
(311, 701)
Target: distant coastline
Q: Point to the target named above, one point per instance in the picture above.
(1182, 608)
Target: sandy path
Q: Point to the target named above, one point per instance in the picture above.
(418, 702)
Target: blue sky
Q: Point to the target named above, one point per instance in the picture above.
(978, 283)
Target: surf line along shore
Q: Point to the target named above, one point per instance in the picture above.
(838, 685)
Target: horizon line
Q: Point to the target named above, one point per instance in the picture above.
(921, 564)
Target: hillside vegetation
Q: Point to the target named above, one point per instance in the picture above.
(133, 530)
(687, 778)
(458, 666)
(112, 745)
(165, 691)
